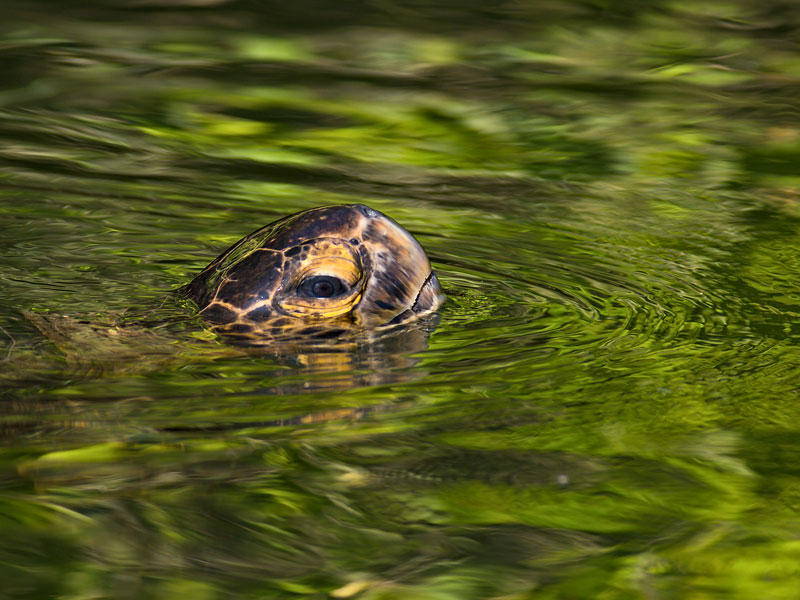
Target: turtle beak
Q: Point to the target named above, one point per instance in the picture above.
(400, 280)
(430, 296)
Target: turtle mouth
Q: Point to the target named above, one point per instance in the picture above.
(429, 297)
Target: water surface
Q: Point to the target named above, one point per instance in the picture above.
(607, 406)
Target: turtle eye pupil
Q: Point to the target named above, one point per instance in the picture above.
(322, 289)
(321, 286)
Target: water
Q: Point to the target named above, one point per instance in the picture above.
(607, 407)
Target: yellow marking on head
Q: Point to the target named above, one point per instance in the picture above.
(320, 308)
(322, 257)
(334, 266)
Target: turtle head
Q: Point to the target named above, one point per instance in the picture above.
(347, 266)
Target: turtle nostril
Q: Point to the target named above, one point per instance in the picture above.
(366, 210)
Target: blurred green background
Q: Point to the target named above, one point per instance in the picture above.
(608, 407)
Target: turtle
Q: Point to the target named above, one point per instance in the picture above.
(327, 289)
(317, 273)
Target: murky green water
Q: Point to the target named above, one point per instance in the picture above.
(608, 406)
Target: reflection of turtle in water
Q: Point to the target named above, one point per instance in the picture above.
(316, 273)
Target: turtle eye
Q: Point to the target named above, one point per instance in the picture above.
(321, 286)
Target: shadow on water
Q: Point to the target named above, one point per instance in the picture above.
(606, 406)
